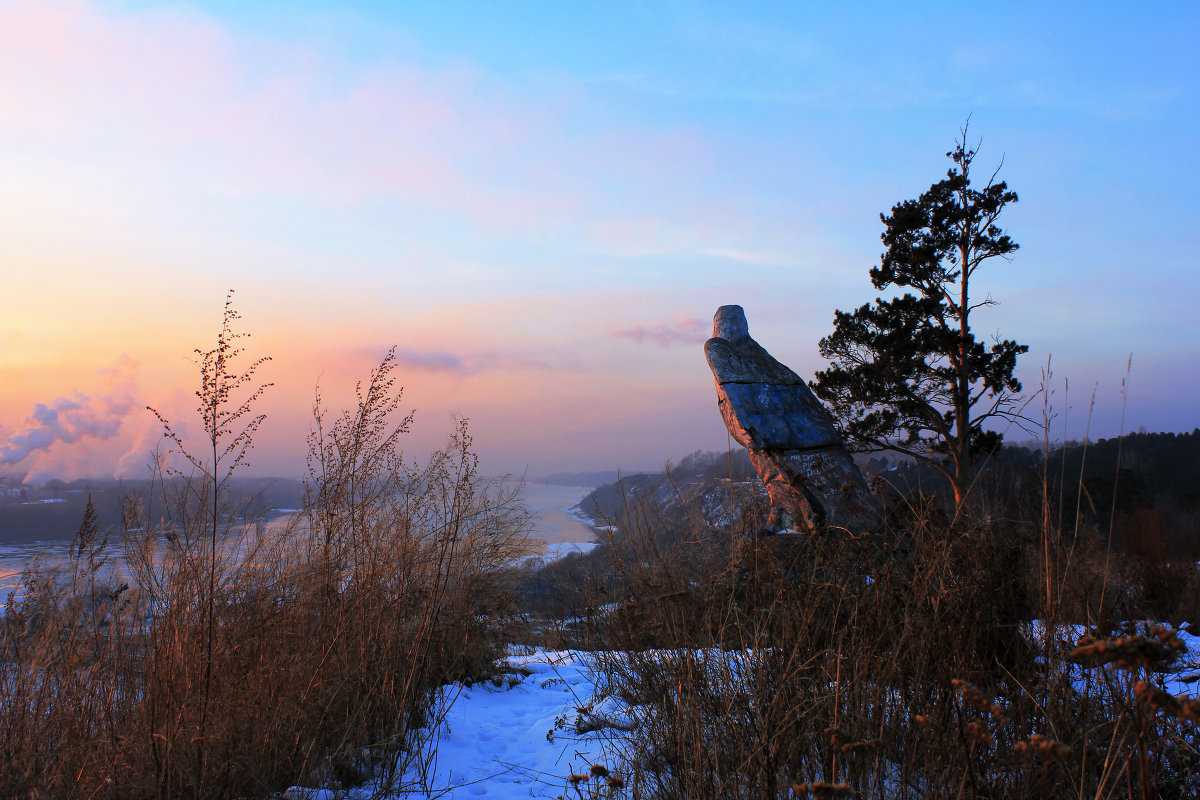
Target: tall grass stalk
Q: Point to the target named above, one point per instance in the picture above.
(241, 656)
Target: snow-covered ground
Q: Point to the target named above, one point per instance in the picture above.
(1182, 677)
(521, 737)
(517, 740)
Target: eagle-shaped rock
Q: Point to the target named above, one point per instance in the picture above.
(792, 440)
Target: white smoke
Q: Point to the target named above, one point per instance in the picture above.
(144, 433)
(68, 420)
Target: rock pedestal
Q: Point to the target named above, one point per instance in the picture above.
(793, 443)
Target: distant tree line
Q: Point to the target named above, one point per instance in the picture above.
(1142, 488)
(25, 516)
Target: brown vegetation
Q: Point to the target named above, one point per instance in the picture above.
(238, 658)
(942, 656)
(902, 665)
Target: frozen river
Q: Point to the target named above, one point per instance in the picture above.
(555, 533)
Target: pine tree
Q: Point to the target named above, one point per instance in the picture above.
(908, 374)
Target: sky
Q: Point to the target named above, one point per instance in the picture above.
(541, 205)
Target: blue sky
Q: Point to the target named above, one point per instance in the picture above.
(542, 204)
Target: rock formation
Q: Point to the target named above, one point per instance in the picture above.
(810, 478)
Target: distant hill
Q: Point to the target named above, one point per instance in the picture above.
(695, 470)
(606, 501)
(1122, 478)
(587, 479)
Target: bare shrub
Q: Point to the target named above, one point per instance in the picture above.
(240, 656)
(926, 661)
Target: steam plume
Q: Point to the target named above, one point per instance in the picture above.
(68, 420)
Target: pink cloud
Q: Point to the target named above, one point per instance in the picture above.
(683, 330)
(171, 83)
(434, 360)
(173, 90)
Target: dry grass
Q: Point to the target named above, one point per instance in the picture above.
(237, 659)
(902, 665)
(234, 658)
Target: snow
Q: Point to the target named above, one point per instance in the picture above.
(1181, 678)
(524, 734)
(559, 550)
(577, 513)
(518, 739)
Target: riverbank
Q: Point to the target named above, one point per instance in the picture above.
(558, 530)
